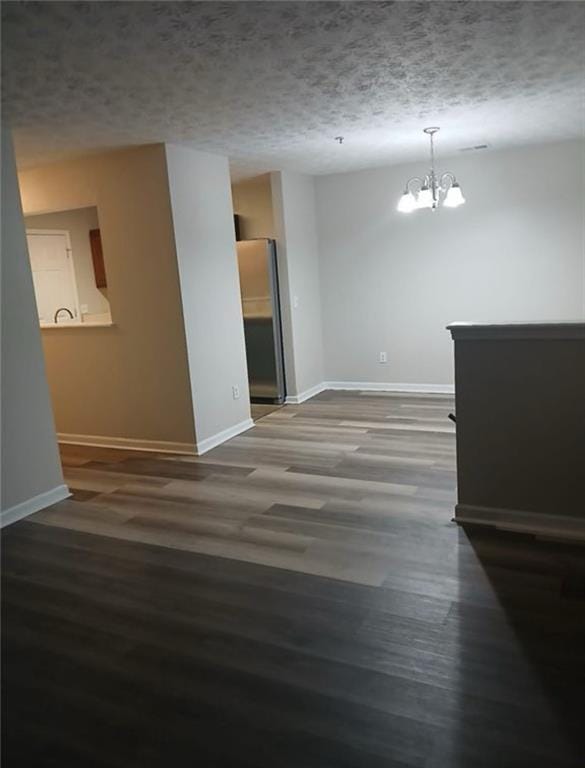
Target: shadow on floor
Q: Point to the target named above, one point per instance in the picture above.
(519, 635)
(259, 410)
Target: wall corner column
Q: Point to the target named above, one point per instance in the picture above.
(31, 469)
(202, 214)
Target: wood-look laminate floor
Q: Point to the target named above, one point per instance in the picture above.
(260, 410)
(297, 597)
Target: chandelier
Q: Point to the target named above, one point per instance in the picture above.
(432, 190)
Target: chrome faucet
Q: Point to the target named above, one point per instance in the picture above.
(62, 309)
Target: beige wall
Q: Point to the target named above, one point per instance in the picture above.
(31, 471)
(78, 223)
(130, 380)
(252, 199)
(254, 275)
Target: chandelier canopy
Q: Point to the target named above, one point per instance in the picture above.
(432, 190)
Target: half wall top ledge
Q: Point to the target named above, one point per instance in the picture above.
(574, 329)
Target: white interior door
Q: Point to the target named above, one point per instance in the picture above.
(53, 275)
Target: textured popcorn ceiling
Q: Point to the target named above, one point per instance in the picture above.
(271, 84)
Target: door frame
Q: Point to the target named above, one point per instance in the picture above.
(61, 233)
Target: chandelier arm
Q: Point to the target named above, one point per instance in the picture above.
(416, 179)
(444, 176)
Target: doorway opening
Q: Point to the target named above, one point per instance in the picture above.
(262, 326)
(259, 288)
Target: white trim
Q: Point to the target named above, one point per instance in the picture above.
(558, 527)
(308, 393)
(202, 446)
(378, 386)
(30, 506)
(370, 386)
(127, 443)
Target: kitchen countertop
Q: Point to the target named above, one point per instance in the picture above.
(62, 326)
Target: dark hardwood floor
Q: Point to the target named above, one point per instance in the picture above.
(298, 597)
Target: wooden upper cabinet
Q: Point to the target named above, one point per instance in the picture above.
(97, 255)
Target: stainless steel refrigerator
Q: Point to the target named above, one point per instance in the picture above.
(262, 327)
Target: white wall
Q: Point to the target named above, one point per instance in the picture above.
(31, 470)
(202, 213)
(293, 201)
(392, 282)
(78, 223)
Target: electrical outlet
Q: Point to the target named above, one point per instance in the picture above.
(236, 392)
(295, 302)
(84, 309)
(382, 358)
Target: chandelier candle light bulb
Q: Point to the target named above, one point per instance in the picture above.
(454, 197)
(432, 190)
(407, 202)
(425, 198)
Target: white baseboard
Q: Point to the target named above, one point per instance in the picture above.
(203, 446)
(127, 443)
(371, 386)
(30, 506)
(307, 394)
(558, 527)
(377, 386)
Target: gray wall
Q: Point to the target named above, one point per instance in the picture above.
(202, 213)
(521, 423)
(392, 282)
(30, 458)
(293, 200)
